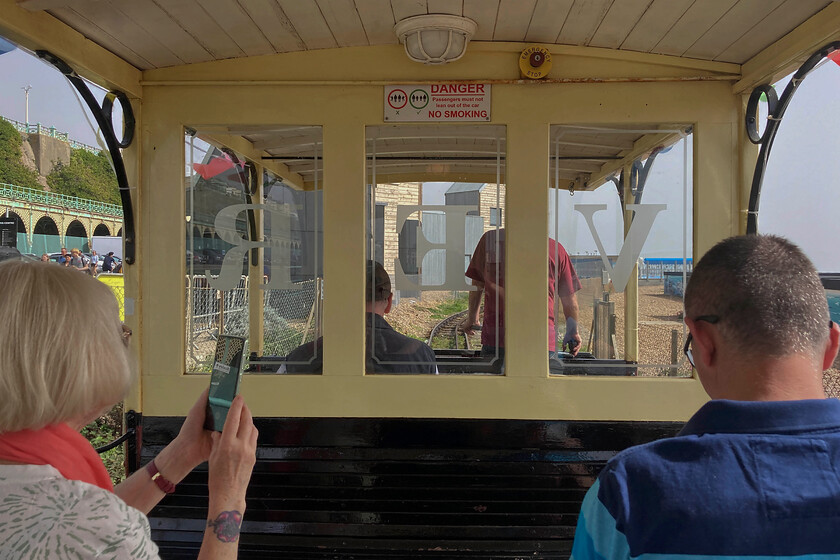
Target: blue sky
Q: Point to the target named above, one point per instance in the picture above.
(799, 198)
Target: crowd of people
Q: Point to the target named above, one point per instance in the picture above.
(754, 473)
(86, 263)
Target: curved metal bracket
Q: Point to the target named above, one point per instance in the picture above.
(775, 111)
(103, 114)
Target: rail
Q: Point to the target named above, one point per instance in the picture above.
(444, 327)
(50, 131)
(35, 196)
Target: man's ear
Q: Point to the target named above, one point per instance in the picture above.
(831, 346)
(390, 301)
(704, 344)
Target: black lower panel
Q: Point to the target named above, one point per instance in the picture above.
(403, 488)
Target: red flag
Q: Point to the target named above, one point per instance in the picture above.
(215, 166)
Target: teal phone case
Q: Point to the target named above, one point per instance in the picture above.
(224, 380)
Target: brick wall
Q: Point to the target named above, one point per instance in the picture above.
(393, 195)
(488, 200)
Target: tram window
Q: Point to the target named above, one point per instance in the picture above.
(629, 297)
(251, 232)
(799, 193)
(434, 191)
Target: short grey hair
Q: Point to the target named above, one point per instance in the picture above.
(767, 294)
(64, 357)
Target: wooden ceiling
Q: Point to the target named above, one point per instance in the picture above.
(152, 34)
(161, 33)
(579, 153)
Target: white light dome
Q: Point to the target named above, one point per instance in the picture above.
(435, 38)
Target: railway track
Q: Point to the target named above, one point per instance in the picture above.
(449, 328)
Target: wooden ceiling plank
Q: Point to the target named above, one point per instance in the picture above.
(484, 14)
(275, 25)
(618, 22)
(548, 19)
(583, 21)
(279, 146)
(773, 27)
(101, 65)
(198, 23)
(169, 32)
(452, 7)
(344, 22)
(238, 25)
(657, 20)
(378, 21)
(696, 21)
(308, 23)
(614, 143)
(406, 8)
(107, 16)
(513, 19)
(745, 15)
(38, 5)
(102, 37)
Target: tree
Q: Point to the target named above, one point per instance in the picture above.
(12, 170)
(88, 175)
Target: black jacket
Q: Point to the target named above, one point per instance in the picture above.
(391, 352)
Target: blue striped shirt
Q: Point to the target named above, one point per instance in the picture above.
(742, 479)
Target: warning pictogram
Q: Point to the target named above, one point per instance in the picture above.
(419, 98)
(397, 99)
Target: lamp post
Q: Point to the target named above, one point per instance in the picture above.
(26, 93)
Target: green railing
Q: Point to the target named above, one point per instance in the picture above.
(50, 131)
(35, 196)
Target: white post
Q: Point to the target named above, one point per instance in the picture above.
(26, 94)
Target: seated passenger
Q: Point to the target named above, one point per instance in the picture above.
(56, 497)
(387, 351)
(755, 473)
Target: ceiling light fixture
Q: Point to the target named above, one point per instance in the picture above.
(435, 38)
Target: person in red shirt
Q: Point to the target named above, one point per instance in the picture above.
(487, 272)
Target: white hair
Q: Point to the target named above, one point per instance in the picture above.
(64, 356)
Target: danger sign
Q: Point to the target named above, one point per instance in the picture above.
(437, 102)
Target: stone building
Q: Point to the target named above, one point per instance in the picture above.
(489, 197)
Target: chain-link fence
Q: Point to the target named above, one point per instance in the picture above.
(290, 317)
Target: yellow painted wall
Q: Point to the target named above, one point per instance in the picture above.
(344, 110)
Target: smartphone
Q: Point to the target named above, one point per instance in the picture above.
(224, 380)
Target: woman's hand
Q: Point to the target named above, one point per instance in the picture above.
(232, 458)
(191, 446)
(193, 441)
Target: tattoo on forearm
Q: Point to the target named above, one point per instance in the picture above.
(226, 526)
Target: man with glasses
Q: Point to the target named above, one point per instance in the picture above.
(756, 471)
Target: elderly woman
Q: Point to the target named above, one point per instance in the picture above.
(56, 498)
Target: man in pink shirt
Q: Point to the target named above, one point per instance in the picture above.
(487, 271)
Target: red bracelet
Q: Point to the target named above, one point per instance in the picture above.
(158, 478)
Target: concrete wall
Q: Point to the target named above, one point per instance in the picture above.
(47, 151)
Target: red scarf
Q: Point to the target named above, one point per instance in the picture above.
(60, 446)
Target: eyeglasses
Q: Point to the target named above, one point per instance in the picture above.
(126, 334)
(711, 319)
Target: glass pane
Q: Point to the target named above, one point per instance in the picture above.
(292, 320)
(436, 195)
(253, 234)
(625, 278)
(799, 194)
